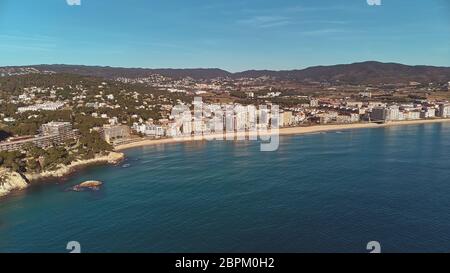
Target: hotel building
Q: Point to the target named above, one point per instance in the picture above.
(115, 133)
(52, 133)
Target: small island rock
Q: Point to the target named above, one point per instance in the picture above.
(88, 185)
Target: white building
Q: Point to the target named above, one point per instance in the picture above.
(216, 124)
(113, 121)
(412, 115)
(9, 119)
(149, 129)
(393, 113)
(444, 110)
(355, 117)
(49, 106)
(428, 113)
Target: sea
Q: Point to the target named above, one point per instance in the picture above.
(324, 192)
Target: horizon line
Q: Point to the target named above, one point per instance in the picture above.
(218, 68)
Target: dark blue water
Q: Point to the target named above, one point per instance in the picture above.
(330, 192)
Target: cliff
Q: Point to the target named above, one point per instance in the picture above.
(10, 181)
(63, 170)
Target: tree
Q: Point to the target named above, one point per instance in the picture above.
(12, 160)
(33, 151)
(33, 165)
(56, 156)
(92, 141)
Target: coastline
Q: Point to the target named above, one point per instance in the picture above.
(14, 181)
(63, 170)
(282, 131)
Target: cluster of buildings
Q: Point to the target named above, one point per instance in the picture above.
(149, 129)
(215, 118)
(126, 110)
(189, 85)
(51, 134)
(409, 112)
(17, 71)
(342, 111)
(48, 106)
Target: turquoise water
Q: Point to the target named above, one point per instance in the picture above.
(330, 192)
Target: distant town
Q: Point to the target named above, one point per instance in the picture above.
(50, 118)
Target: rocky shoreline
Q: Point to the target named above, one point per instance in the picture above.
(13, 181)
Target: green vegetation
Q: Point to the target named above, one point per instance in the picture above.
(12, 160)
(28, 123)
(63, 87)
(35, 159)
(127, 102)
(92, 143)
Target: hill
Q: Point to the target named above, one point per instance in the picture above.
(370, 72)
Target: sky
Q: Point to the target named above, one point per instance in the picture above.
(235, 35)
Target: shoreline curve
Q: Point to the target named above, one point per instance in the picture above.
(281, 131)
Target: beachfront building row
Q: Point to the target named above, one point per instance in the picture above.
(335, 117)
(52, 133)
(185, 123)
(245, 118)
(149, 129)
(396, 113)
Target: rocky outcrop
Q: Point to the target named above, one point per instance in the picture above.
(10, 181)
(63, 170)
(88, 185)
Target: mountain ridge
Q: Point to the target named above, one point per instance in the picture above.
(368, 72)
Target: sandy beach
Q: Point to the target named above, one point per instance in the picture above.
(281, 131)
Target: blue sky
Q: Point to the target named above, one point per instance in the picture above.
(231, 34)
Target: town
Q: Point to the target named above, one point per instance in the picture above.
(75, 116)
